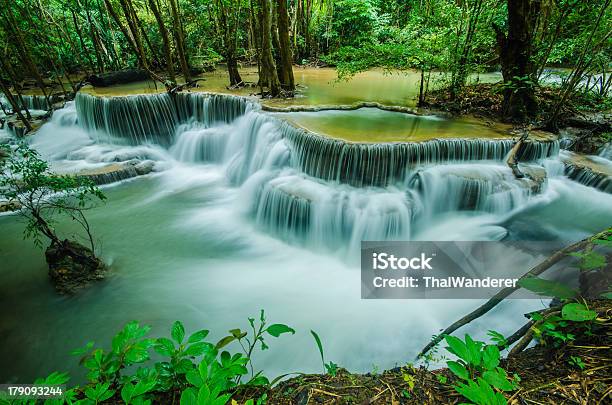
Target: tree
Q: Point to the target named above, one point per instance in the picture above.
(268, 75)
(27, 181)
(286, 59)
(516, 57)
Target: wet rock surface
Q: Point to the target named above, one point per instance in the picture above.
(72, 266)
(118, 171)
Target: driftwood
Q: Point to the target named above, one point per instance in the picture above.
(512, 160)
(118, 77)
(503, 294)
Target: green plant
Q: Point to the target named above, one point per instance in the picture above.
(258, 333)
(129, 347)
(482, 381)
(213, 377)
(330, 368)
(181, 352)
(27, 179)
(577, 361)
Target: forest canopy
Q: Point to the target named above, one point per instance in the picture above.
(174, 40)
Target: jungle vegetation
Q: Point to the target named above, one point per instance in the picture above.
(62, 41)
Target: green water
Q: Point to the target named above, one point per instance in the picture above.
(374, 125)
(315, 86)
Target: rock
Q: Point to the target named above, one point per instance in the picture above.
(589, 171)
(72, 266)
(7, 206)
(118, 171)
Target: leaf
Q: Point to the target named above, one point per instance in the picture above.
(225, 341)
(458, 369)
(193, 377)
(498, 379)
(490, 357)
(178, 332)
(457, 347)
(607, 295)
(498, 338)
(577, 312)
(547, 288)
(198, 349)
(473, 349)
(319, 344)
(164, 346)
(590, 260)
(197, 336)
(126, 392)
(189, 397)
(136, 354)
(278, 329)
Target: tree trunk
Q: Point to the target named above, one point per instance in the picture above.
(14, 106)
(515, 51)
(286, 58)
(268, 76)
(164, 34)
(180, 41)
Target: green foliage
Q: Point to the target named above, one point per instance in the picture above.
(547, 288)
(330, 368)
(482, 381)
(43, 195)
(199, 370)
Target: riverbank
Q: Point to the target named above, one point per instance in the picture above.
(584, 122)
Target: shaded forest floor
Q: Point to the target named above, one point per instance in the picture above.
(547, 377)
(584, 119)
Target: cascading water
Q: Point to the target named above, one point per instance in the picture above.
(311, 189)
(204, 236)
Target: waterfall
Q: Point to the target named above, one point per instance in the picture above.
(31, 102)
(310, 189)
(364, 164)
(588, 177)
(154, 118)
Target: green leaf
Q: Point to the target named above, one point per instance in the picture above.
(473, 349)
(189, 397)
(498, 379)
(197, 336)
(458, 369)
(547, 288)
(457, 347)
(319, 344)
(178, 332)
(164, 346)
(577, 312)
(198, 349)
(136, 354)
(225, 341)
(126, 392)
(490, 357)
(193, 377)
(590, 260)
(607, 295)
(278, 329)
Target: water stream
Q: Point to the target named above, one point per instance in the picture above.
(245, 211)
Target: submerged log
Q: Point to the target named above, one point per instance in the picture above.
(118, 77)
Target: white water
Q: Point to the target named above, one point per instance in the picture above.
(204, 240)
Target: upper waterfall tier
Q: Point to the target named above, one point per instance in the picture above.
(155, 119)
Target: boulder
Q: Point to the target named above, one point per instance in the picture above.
(72, 266)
